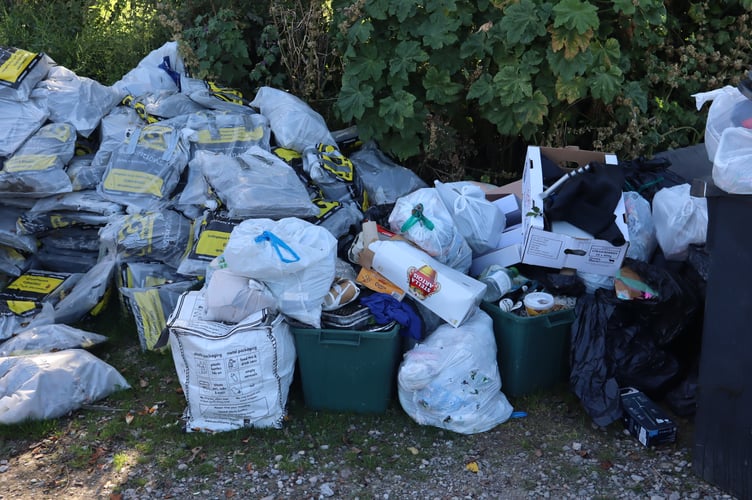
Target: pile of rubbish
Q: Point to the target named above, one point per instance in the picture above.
(226, 225)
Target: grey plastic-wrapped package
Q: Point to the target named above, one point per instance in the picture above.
(80, 101)
(12, 262)
(83, 173)
(167, 104)
(227, 132)
(19, 121)
(383, 179)
(87, 293)
(145, 170)
(160, 70)
(37, 168)
(21, 71)
(256, 184)
(44, 386)
(9, 235)
(163, 236)
(79, 208)
(294, 123)
(334, 174)
(114, 129)
(49, 338)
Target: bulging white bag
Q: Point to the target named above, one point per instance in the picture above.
(680, 220)
(452, 380)
(294, 258)
(731, 170)
(232, 376)
(476, 218)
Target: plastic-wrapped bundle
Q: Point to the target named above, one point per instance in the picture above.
(382, 178)
(19, 121)
(36, 169)
(227, 132)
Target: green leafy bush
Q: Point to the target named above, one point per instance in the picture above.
(614, 75)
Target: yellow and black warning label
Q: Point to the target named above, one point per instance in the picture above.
(15, 64)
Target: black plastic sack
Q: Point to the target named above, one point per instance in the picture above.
(648, 176)
(618, 343)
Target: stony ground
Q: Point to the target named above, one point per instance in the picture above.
(553, 452)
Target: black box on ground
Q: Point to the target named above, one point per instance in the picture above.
(645, 420)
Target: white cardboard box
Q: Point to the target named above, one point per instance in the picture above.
(566, 246)
(508, 248)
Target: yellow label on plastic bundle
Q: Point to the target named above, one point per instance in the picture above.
(155, 137)
(58, 131)
(287, 154)
(27, 163)
(143, 228)
(151, 281)
(14, 64)
(131, 181)
(37, 284)
(150, 312)
(212, 243)
(230, 134)
(21, 306)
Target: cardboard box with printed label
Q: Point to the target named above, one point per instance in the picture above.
(566, 246)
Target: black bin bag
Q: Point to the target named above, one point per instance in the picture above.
(619, 342)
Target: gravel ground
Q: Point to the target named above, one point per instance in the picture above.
(551, 453)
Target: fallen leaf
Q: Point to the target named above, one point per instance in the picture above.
(538, 453)
(413, 450)
(249, 467)
(128, 418)
(194, 453)
(472, 467)
(606, 464)
(229, 494)
(143, 383)
(178, 390)
(116, 496)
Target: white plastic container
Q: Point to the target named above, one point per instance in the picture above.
(731, 166)
(538, 303)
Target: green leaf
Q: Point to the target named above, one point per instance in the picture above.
(606, 84)
(638, 95)
(608, 53)
(568, 69)
(407, 55)
(475, 46)
(482, 89)
(360, 32)
(438, 30)
(576, 15)
(395, 108)
(353, 101)
(368, 66)
(626, 7)
(571, 90)
(521, 23)
(511, 87)
(532, 111)
(377, 9)
(439, 86)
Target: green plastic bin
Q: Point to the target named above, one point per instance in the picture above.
(532, 351)
(348, 370)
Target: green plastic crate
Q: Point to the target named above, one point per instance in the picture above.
(348, 370)
(532, 351)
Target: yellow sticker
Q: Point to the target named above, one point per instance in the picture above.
(151, 281)
(287, 154)
(212, 243)
(37, 284)
(231, 134)
(152, 317)
(21, 306)
(28, 163)
(143, 227)
(59, 131)
(15, 64)
(131, 181)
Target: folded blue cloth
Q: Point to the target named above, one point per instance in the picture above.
(386, 308)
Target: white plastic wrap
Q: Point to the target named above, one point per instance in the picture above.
(642, 239)
(22, 70)
(249, 367)
(256, 183)
(231, 298)
(452, 380)
(680, 220)
(728, 108)
(18, 121)
(477, 219)
(731, 166)
(383, 179)
(49, 338)
(294, 123)
(80, 101)
(44, 386)
(160, 70)
(294, 258)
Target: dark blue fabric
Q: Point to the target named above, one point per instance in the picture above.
(386, 308)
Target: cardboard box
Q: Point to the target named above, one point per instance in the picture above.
(452, 295)
(645, 420)
(566, 246)
(508, 250)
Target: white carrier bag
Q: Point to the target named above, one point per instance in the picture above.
(235, 375)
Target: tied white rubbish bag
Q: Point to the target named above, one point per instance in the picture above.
(231, 297)
(452, 380)
(728, 108)
(295, 259)
(422, 218)
(731, 166)
(680, 220)
(43, 386)
(232, 376)
(642, 239)
(476, 218)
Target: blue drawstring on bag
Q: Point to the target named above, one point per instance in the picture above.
(278, 244)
